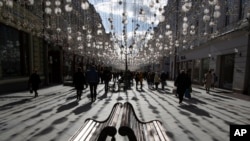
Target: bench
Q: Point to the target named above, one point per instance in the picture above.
(137, 130)
(99, 130)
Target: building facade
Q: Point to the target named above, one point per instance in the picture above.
(207, 35)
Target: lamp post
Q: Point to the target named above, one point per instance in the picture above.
(127, 75)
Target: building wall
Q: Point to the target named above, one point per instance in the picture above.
(223, 45)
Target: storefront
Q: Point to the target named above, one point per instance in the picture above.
(20, 53)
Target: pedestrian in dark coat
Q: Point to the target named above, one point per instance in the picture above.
(34, 81)
(92, 78)
(78, 81)
(107, 76)
(181, 83)
(163, 80)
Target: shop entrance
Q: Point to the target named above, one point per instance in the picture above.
(227, 71)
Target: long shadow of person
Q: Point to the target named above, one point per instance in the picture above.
(82, 109)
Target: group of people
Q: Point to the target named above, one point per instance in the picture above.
(183, 83)
(91, 78)
(153, 79)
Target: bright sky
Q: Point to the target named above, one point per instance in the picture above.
(142, 17)
(151, 11)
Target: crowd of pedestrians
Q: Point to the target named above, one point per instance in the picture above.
(93, 76)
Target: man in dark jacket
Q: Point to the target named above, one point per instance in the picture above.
(78, 81)
(163, 80)
(181, 83)
(107, 76)
(34, 81)
(93, 80)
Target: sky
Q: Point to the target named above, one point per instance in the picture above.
(142, 15)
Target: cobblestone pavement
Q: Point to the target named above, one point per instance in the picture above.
(56, 114)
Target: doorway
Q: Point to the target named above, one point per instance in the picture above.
(227, 71)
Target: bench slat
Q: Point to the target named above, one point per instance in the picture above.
(138, 130)
(83, 134)
(93, 130)
(149, 130)
(163, 132)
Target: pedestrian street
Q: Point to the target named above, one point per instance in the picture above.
(55, 114)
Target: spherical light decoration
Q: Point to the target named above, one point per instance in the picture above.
(85, 5)
(57, 3)
(48, 10)
(185, 25)
(212, 2)
(69, 1)
(185, 19)
(216, 7)
(58, 29)
(68, 8)
(69, 37)
(184, 32)
(206, 18)
(9, 3)
(99, 25)
(69, 29)
(161, 18)
(99, 32)
(58, 11)
(192, 32)
(84, 27)
(217, 14)
(206, 11)
(89, 36)
(47, 3)
(211, 23)
(79, 38)
(167, 26)
(184, 8)
(31, 2)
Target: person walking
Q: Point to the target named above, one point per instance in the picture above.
(107, 76)
(136, 79)
(181, 84)
(208, 80)
(92, 78)
(141, 79)
(34, 81)
(78, 81)
(156, 80)
(163, 80)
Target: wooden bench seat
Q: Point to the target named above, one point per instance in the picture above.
(93, 130)
(137, 130)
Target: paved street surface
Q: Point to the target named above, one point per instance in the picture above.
(56, 114)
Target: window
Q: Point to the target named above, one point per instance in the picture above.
(13, 60)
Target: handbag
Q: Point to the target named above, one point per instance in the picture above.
(187, 93)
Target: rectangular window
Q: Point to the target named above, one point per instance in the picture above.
(13, 52)
(241, 9)
(227, 14)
